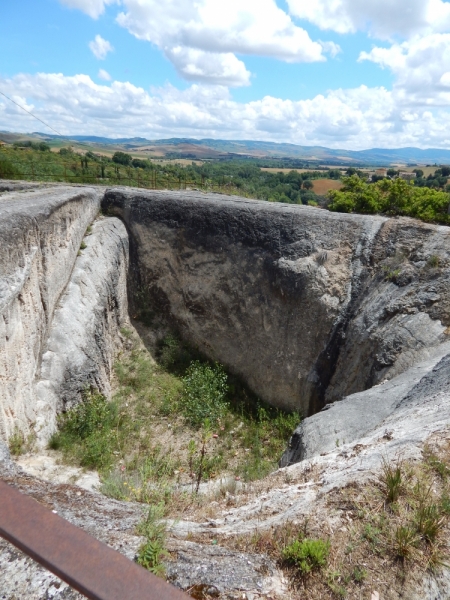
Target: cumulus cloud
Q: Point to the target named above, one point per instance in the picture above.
(421, 67)
(93, 8)
(197, 65)
(257, 27)
(102, 74)
(381, 18)
(357, 118)
(202, 37)
(100, 47)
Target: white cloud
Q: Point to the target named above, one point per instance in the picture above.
(356, 118)
(100, 47)
(421, 67)
(192, 33)
(256, 27)
(93, 8)
(381, 18)
(202, 37)
(102, 74)
(209, 67)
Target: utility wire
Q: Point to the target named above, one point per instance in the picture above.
(30, 113)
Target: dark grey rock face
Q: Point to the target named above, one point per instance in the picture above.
(307, 306)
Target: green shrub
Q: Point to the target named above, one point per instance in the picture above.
(429, 521)
(433, 261)
(359, 574)
(372, 534)
(8, 170)
(17, 443)
(307, 555)
(392, 481)
(152, 552)
(89, 416)
(174, 355)
(85, 432)
(405, 541)
(203, 395)
(393, 197)
(41, 146)
(122, 158)
(150, 557)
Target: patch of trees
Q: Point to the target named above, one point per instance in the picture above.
(437, 180)
(122, 158)
(390, 197)
(41, 146)
(66, 152)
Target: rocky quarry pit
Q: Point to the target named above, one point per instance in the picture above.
(345, 318)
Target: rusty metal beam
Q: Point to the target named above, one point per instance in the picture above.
(87, 565)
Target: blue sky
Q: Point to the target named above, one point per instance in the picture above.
(339, 73)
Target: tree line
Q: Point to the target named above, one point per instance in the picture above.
(391, 197)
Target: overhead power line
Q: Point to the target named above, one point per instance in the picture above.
(30, 113)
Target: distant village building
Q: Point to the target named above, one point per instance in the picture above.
(381, 172)
(407, 176)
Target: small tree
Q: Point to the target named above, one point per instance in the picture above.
(122, 158)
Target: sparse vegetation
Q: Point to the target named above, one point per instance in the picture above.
(359, 574)
(390, 274)
(307, 555)
(433, 261)
(391, 479)
(152, 552)
(405, 540)
(19, 443)
(172, 425)
(391, 530)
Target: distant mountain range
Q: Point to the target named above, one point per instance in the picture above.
(220, 149)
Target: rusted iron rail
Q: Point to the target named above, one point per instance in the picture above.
(87, 565)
